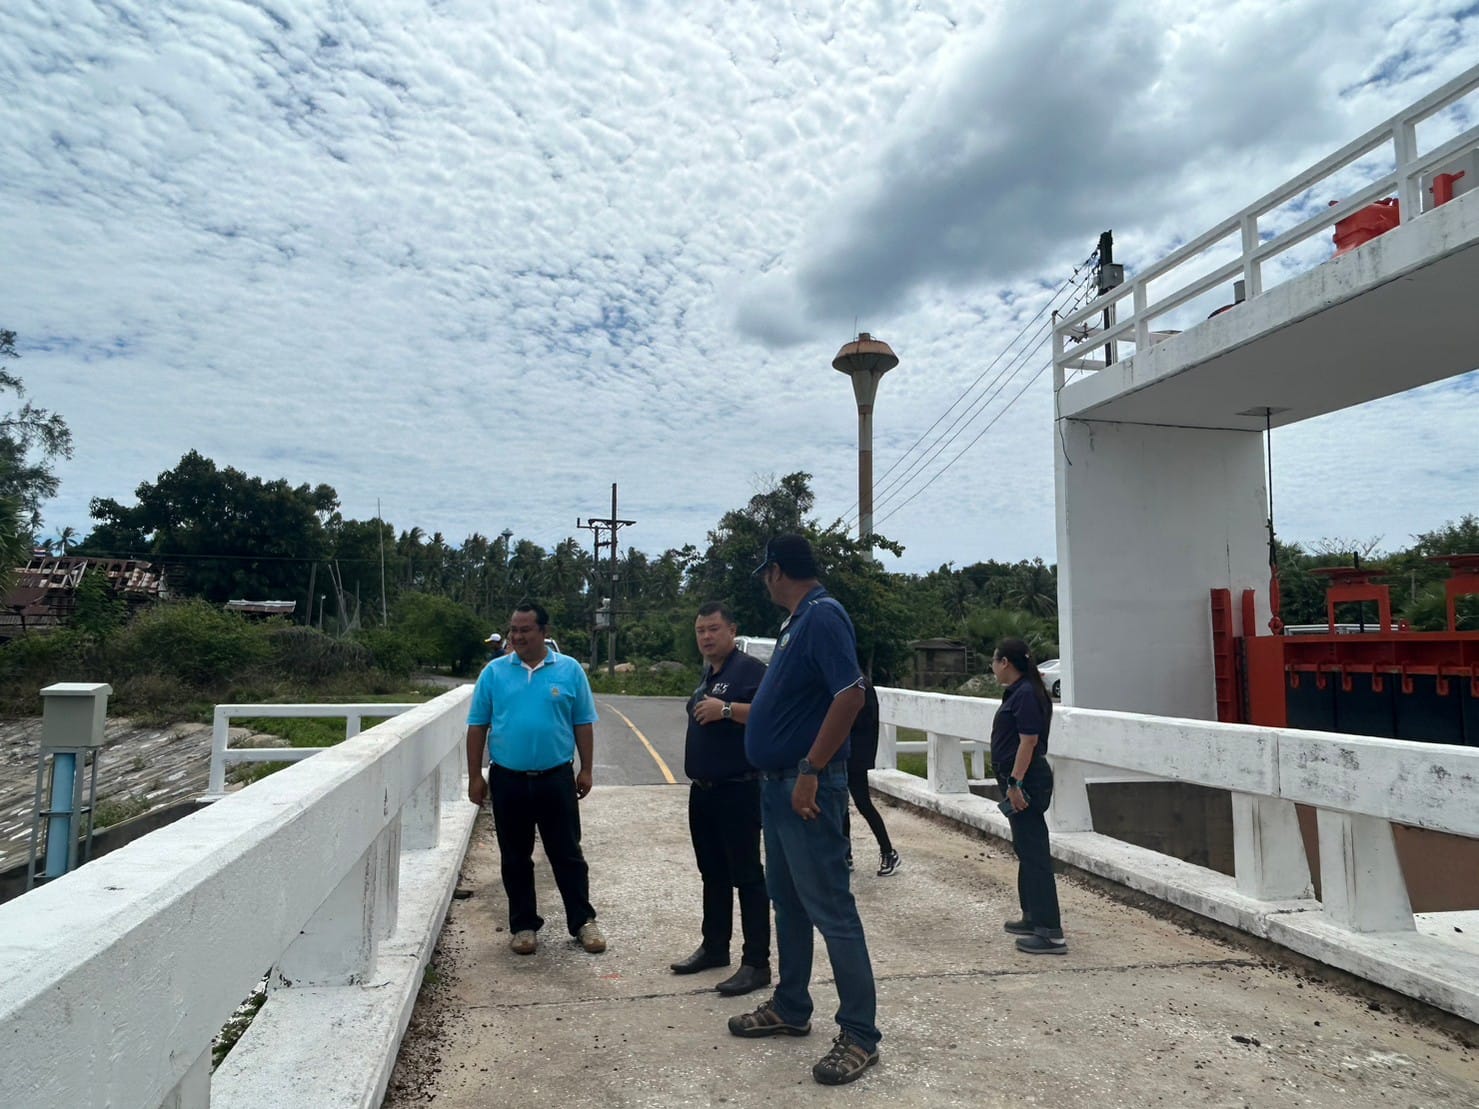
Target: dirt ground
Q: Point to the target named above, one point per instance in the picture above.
(1141, 1011)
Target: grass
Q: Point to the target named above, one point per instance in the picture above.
(918, 764)
(115, 810)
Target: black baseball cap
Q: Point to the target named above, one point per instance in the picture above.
(792, 553)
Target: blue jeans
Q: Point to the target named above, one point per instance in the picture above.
(806, 875)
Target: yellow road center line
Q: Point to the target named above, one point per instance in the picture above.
(651, 750)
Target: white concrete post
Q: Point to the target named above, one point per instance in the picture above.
(351, 725)
(1361, 884)
(193, 1091)
(946, 767)
(421, 819)
(978, 763)
(1069, 809)
(338, 946)
(1268, 853)
(1409, 187)
(888, 747)
(388, 888)
(1252, 268)
(220, 730)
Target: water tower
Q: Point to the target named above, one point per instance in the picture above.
(865, 360)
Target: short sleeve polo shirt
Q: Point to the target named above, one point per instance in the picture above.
(716, 752)
(1021, 713)
(815, 659)
(532, 714)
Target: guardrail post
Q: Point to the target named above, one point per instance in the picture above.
(1140, 298)
(1252, 267)
(388, 888)
(1268, 852)
(1069, 810)
(194, 1090)
(978, 763)
(351, 725)
(1361, 883)
(421, 819)
(1409, 191)
(888, 747)
(220, 731)
(338, 945)
(946, 767)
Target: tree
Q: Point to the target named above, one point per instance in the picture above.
(230, 534)
(31, 440)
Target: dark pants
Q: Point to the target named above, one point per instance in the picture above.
(522, 804)
(724, 821)
(1037, 889)
(857, 785)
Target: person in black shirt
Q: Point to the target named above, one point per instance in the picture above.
(724, 807)
(1019, 748)
(862, 754)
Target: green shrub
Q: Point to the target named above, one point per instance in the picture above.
(644, 683)
(388, 649)
(195, 641)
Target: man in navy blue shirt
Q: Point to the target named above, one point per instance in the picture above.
(796, 736)
(724, 806)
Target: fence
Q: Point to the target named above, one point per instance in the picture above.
(223, 755)
(333, 876)
(1358, 786)
(1409, 168)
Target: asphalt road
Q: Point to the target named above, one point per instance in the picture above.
(639, 741)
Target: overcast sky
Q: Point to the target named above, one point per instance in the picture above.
(481, 260)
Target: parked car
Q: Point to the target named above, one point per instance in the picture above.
(759, 646)
(1052, 676)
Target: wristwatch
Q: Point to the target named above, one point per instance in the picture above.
(727, 711)
(1014, 783)
(805, 767)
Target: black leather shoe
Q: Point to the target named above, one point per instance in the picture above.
(699, 960)
(744, 980)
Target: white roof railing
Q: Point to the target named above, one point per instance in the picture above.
(1409, 168)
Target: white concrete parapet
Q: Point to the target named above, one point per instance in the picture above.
(335, 874)
(1358, 786)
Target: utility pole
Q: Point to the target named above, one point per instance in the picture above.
(380, 527)
(612, 525)
(1110, 275)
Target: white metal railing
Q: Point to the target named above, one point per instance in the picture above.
(115, 977)
(223, 755)
(1358, 785)
(1409, 167)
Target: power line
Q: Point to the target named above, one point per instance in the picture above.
(965, 420)
(1021, 364)
(965, 392)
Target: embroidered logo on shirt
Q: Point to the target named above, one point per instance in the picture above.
(719, 687)
(554, 691)
(784, 640)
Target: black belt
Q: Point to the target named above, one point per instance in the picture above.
(710, 783)
(532, 773)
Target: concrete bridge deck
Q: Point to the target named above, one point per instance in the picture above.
(1142, 1011)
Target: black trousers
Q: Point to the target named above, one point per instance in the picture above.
(1037, 889)
(724, 822)
(522, 805)
(857, 785)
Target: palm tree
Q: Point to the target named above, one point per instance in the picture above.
(66, 538)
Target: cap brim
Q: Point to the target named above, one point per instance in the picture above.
(755, 573)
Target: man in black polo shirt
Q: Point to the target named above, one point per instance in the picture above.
(724, 806)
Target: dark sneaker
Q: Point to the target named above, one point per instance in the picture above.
(1022, 927)
(889, 864)
(846, 1062)
(765, 1021)
(1044, 941)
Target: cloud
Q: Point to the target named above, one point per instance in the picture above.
(480, 265)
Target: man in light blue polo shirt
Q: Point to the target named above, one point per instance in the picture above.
(532, 711)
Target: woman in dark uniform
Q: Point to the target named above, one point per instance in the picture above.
(1019, 747)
